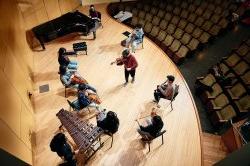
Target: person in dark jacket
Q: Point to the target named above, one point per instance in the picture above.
(64, 60)
(152, 129)
(60, 145)
(108, 122)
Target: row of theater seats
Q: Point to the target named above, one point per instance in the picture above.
(181, 27)
(226, 93)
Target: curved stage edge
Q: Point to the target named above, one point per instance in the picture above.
(182, 141)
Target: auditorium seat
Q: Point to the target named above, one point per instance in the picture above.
(243, 104)
(223, 23)
(141, 14)
(148, 27)
(197, 32)
(161, 13)
(216, 90)
(156, 21)
(192, 17)
(215, 18)
(241, 68)
(178, 33)
(189, 28)
(177, 11)
(246, 78)
(206, 26)
(153, 11)
(199, 22)
(135, 12)
(186, 39)
(236, 91)
(232, 60)
(223, 115)
(184, 5)
(169, 8)
(135, 21)
(204, 37)
(175, 46)
(242, 50)
(170, 29)
(217, 103)
(168, 17)
(179, 56)
(193, 44)
(163, 24)
(207, 14)
(161, 36)
(199, 11)
(209, 80)
(146, 8)
(218, 10)
(142, 22)
(184, 14)
(191, 8)
(214, 31)
(175, 20)
(154, 32)
(182, 24)
(148, 17)
(162, 5)
(168, 40)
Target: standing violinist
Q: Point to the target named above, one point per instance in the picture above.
(130, 65)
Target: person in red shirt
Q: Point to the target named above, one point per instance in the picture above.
(130, 65)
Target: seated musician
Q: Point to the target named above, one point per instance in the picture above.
(165, 90)
(64, 60)
(94, 14)
(135, 38)
(109, 122)
(87, 97)
(153, 127)
(70, 78)
(60, 145)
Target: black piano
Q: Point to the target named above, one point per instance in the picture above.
(66, 24)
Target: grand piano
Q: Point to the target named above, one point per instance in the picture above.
(63, 25)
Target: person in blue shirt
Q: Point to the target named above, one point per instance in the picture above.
(70, 78)
(135, 37)
(83, 100)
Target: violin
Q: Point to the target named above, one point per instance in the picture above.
(118, 61)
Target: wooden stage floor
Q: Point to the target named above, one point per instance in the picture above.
(182, 141)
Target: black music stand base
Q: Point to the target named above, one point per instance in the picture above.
(82, 46)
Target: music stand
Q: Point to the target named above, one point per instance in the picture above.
(126, 33)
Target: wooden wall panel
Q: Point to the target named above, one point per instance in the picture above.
(10, 105)
(16, 62)
(17, 79)
(27, 126)
(3, 51)
(12, 144)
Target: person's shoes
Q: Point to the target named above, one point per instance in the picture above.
(125, 84)
(133, 80)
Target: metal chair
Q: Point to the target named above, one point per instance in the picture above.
(149, 139)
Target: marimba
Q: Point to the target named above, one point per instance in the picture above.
(85, 135)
